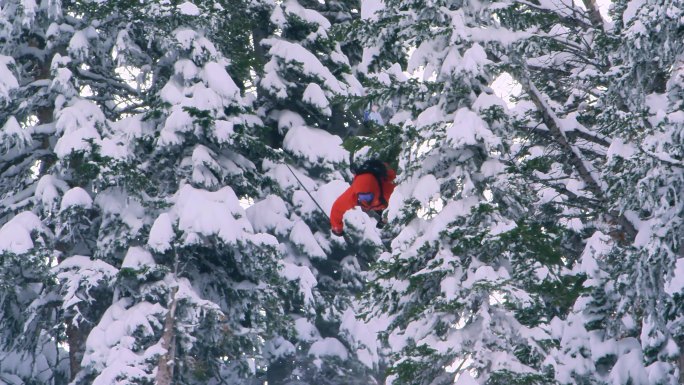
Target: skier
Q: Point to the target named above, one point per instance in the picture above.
(371, 188)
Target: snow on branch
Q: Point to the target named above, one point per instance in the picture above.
(555, 126)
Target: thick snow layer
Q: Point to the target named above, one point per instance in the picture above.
(224, 131)
(596, 248)
(369, 8)
(369, 55)
(325, 196)
(79, 275)
(78, 123)
(217, 78)
(676, 283)
(271, 80)
(131, 127)
(303, 238)
(188, 8)
(203, 98)
(15, 235)
(13, 132)
(426, 189)
(328, 347)
(474, 59)
(195, 212)
(468, 129)
(177, 121)
(186, 68)
(110, 347)
(632, 9)
(283, 176)
(449, 287)
(171, 93)
(485, 101)
(161, 233)
(187, 294)
(307, 281)
(77, 196)
(306, 331)
(280, 347)
(363, 335)
(294, 53)
(270, 214)
(466, 379)
(115, 202)
(429, 116)
(357, 219)
(314, 95)
(203, 166)
(618, 148)
(78, 45)
(185, 36)
(492, 167)
(137, 257)
(288, 119)
(7, 80)
(292, 7)
(115, 148)
(315, 145)
(629, 369)
(49, 190)
(485, 273)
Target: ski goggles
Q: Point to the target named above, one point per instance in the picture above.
(365, 198)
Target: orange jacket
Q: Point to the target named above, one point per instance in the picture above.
(364, 183)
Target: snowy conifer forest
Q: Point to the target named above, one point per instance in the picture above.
(167, 169)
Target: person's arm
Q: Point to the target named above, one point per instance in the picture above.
(388, 184)
(344, 202)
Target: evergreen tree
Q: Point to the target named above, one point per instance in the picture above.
(300, 89)
(588, 82)
(641, 114)
(57, 144)
(193, 296)
(466, 287)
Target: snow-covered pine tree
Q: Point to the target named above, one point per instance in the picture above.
(306, 71)
(303, 80)
(641, 112)
(193, 290)
(598, 92)
(58, 143)
(475, 269)
(22, 236)
(562, 68)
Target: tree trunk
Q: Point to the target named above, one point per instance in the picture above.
(259, 33)
(594, 14)
(76, 338)
(627, 229)
(166, 361)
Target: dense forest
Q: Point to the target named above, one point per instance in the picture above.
(167, 170)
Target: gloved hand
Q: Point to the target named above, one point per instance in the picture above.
(338, 232)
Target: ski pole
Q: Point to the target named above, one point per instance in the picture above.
(345, 236)
(307, 191)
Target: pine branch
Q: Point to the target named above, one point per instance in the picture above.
(566, 19)
(574, 157)
(99, 79)
(671, 162)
